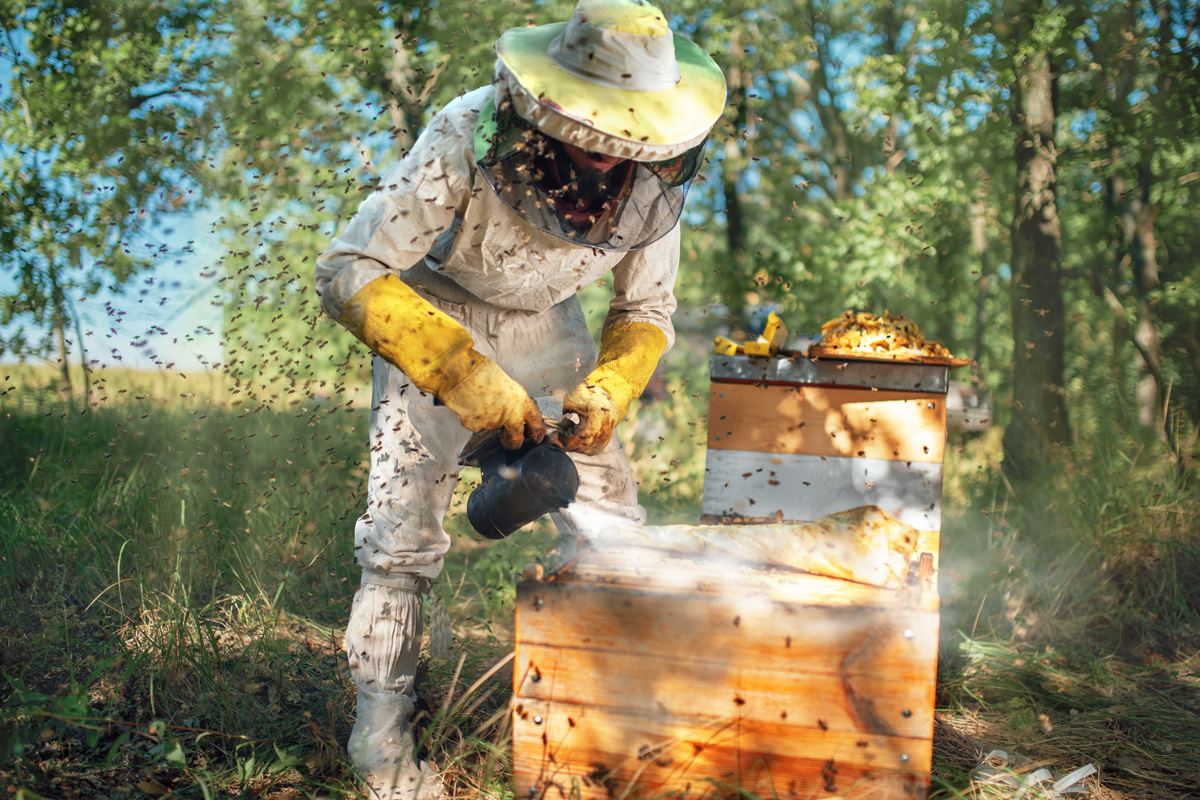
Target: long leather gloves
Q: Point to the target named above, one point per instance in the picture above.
(628, 354)
(437, 354)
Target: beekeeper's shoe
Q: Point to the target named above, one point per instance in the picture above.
(382, 749)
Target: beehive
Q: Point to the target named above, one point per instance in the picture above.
(646, 671)
(793, 439)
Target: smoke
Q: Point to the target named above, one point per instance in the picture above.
(864, 545)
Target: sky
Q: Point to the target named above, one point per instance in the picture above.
(168, 317)
(171, 314)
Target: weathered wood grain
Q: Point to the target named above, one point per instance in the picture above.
(627, 620)
(854, 656)
(807, 487)
(567, 750)
(827, 421)
(930, 541)
(864, 545)
(652, 570)
(643, 673)
(690, 690)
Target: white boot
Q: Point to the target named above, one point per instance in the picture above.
(383, 641)
(382, 749)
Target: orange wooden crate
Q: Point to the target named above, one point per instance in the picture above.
(642, 673)
(646, 674)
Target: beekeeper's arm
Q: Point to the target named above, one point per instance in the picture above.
(358, 281)
(637, 331)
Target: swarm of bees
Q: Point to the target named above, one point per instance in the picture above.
(887, 336)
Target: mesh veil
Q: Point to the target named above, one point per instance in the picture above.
(630, 207)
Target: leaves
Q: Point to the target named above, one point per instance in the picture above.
(98, 103)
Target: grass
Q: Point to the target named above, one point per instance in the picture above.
(168, 556)
(175, 573)
(1070, 611)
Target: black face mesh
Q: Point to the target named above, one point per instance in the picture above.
(626, 208)
(679, 170)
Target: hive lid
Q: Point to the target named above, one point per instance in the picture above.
(801, 370)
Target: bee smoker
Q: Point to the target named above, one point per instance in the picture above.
(517, 486)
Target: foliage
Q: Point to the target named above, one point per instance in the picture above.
(321, 128)
(182, 569)
(97, 115)
(872, 167)
(860, 185)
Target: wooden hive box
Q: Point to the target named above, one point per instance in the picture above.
(795, 438)
(644, 672)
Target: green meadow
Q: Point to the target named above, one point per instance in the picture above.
(176, 572)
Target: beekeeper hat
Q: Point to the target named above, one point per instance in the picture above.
(613, 79)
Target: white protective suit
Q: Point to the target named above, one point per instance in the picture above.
(436, 222)
(592, 131)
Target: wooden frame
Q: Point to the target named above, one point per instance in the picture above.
(795, 686)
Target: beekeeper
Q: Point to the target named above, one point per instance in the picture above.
(461, 271)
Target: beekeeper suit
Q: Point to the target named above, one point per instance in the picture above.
(461, 271)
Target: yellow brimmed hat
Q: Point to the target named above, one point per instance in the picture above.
(613, 79)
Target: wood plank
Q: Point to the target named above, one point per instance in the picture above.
(863, 545)
(806, 487)
(930, 541)
(564, 750)
(845, 642)
(826, 421)
(651, 570)
(688, 690)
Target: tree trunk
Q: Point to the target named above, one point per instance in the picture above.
(1142, 248)
(1039, 419)
(58, 320)
(61, 337)
(831, 117)
(402, 100)
(83, 362)
(735, 225)
(979, 244)
(1134, 246)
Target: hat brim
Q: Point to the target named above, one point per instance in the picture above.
(680, 116)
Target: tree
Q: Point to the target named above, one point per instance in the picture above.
(314, 102)
(96, 116)
(1039, 417)
(837, 175)
(1140, 92)
(866, 160)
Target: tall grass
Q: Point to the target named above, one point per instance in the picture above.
(176, 569)
(171, 492)
(191, 559)
(1070, 611)
(1106, 541)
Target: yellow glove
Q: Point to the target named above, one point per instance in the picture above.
(437, 354)
(629, 353)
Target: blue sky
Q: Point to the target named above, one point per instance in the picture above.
(169, 315)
